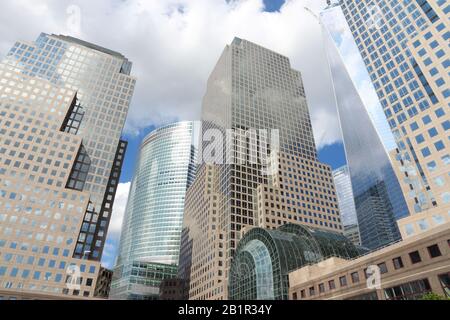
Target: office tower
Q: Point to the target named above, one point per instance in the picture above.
(150, 240)
(63, 106)
(250, 90)
(346, 201)
(104, 87)
(404, 45)
(378, 198)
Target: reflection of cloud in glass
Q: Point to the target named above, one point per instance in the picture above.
(338, 29)
(378, 197)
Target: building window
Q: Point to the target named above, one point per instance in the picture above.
(343, 281)
(415, 257)
(425, 152)
(355, 277)
(303, 294)
(434, 251)
(444, 279)
(439, 145)
(366, 274)
(383, 268)
(423, 224)
(366, 296)
(80, 170)
(398, 263)
(332, 285)
(437, 219)
(409, 229)
(321, 288)
(312, 291)
(414, 290)
(294, 296)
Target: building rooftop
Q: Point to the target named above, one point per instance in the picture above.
(90, 45)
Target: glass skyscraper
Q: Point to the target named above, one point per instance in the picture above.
(104, 88)
(404, 45)
(344, 191)
(252, 89)
(378, 197)
(63, 103)
(151, 231)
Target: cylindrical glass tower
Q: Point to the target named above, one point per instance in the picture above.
(151, 230)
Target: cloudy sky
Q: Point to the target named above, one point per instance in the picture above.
(174, 45)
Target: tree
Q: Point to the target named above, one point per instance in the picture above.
(433, 296)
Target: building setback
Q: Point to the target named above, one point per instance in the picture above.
(250, 90)
(63, 103)
(150, 240)
(404, 45)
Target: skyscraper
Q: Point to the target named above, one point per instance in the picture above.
(378, 198)
(63, 106)
(251, 89)
(151, 231)
(404, 45)
(344, 191)
(104, 87)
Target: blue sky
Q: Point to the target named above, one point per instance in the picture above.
(132, 153)
(273, 5)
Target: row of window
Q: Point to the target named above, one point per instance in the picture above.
(414, 257)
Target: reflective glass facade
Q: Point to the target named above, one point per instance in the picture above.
(404, 46)
(52, 222)
(346, 200)
(153, 217)
(264, 258)
(104, 88)
(344, 193)
(379, 200)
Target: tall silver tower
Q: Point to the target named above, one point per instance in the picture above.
(151, 231)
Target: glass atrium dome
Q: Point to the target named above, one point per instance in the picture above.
(264, 258)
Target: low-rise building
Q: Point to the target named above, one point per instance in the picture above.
(407, 270)
(264, 258)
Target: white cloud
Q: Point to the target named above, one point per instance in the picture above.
(112, 241)
(120, 203)
(174, 45)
